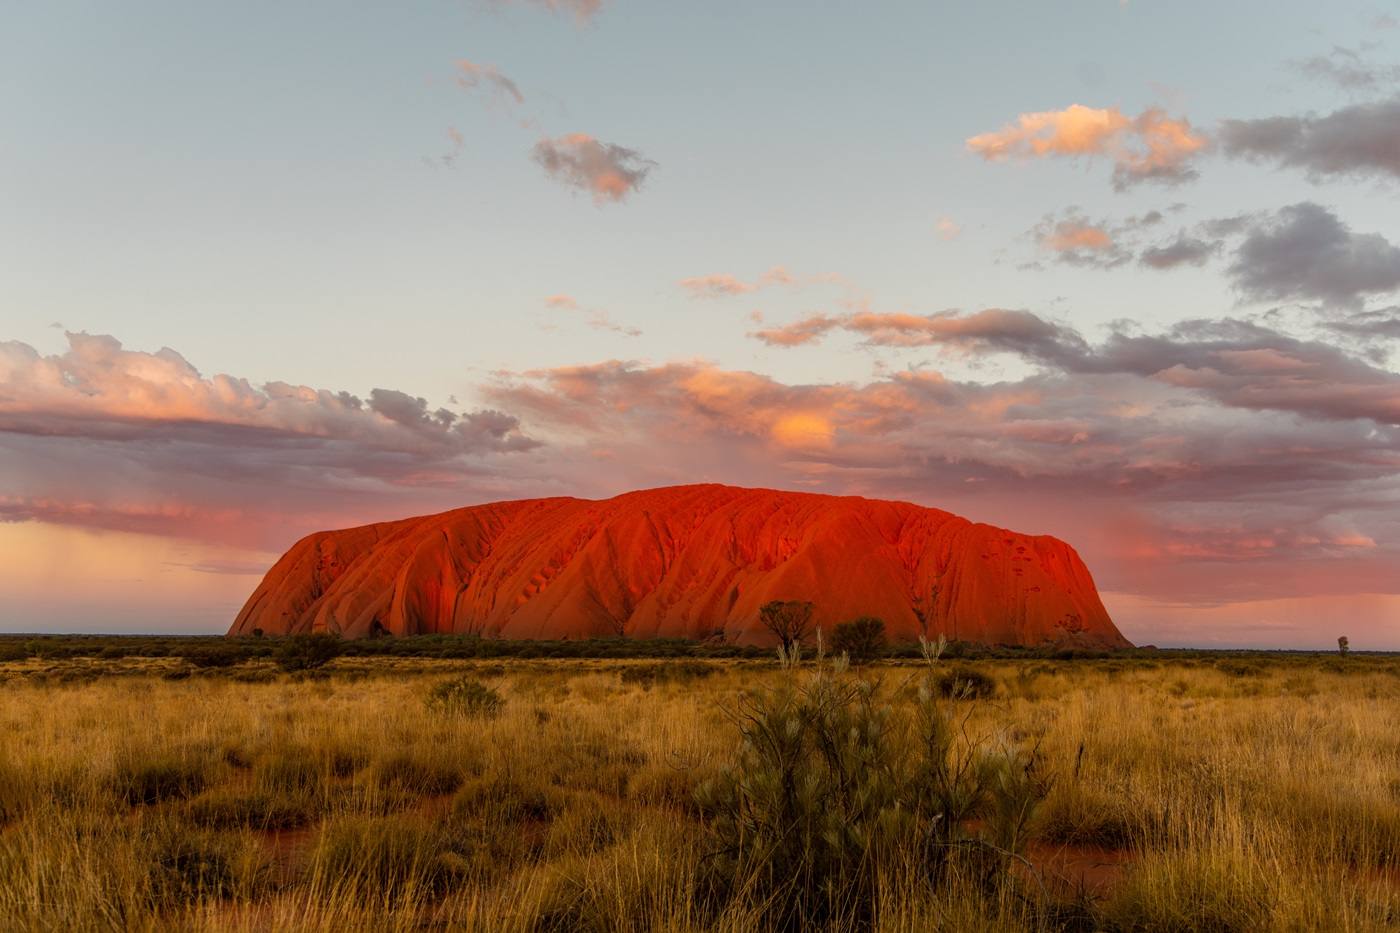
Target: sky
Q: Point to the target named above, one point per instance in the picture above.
(1121, 272)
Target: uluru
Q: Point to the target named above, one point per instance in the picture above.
(684, 561)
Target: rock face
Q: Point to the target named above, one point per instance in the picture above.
(685, 561)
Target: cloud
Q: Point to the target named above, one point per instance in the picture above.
(601, 320)
(1348, 69)
(129, 440)
(717, 285)
(724, 285)
(1149, 147)
(1246, 366)
(1361, 140)
(948, 229)
(459, 142)
(583, 11)
(471, 76)
(1077, 241)
(1381, 323)
(991, 330)
(608, 172)
(807, 330)
(99, 389)
(1304, 252)
(596, 319)
(1236, 364)
(1219, 458)
(1183, 251)
(1072, 239)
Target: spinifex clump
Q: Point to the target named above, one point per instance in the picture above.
(824, 801)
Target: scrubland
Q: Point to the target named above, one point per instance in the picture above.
(1190, 793)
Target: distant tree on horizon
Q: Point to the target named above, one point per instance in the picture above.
(1343, 645)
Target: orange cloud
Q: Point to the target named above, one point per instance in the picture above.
(1227, 503)
(1069, 235)
(582, 11)
(807, 330)
(1151, 146)
(715, 286)
(470, 75)
(804, 430)
(988, 330)
(609, 172)
(1219, 458)
(1076, 130)
(721, 285)
(105, 437)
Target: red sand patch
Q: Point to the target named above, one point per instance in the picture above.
(1073, 869)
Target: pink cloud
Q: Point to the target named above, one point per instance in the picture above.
(988, 330)
(1206, 484)
(1149, 147)
(595, 318)
(721, 285)
(1069, 235)
(107, 437)
(472, 75)
(807, 330)
(583, 11)
(1218, 459)
(609, 173)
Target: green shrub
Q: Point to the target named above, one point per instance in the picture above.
(308, 652)
(465, 696)
(215, 657)
(388, 858)
(967, 683)
(860, 639)
(823, 795)
(648, 675)
(188, 865)
(290, 769)
(504, 800)
(416, 774)
(1240, 668)
(17, 792)
(230, 809)
(171, 776)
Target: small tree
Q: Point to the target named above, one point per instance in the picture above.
(1343, 645)
(860, 639)
(789, 620)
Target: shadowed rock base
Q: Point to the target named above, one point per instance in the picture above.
(684, 561)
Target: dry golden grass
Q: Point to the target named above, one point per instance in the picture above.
(1186, 795)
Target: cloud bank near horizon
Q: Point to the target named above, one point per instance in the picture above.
(1218, 458)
